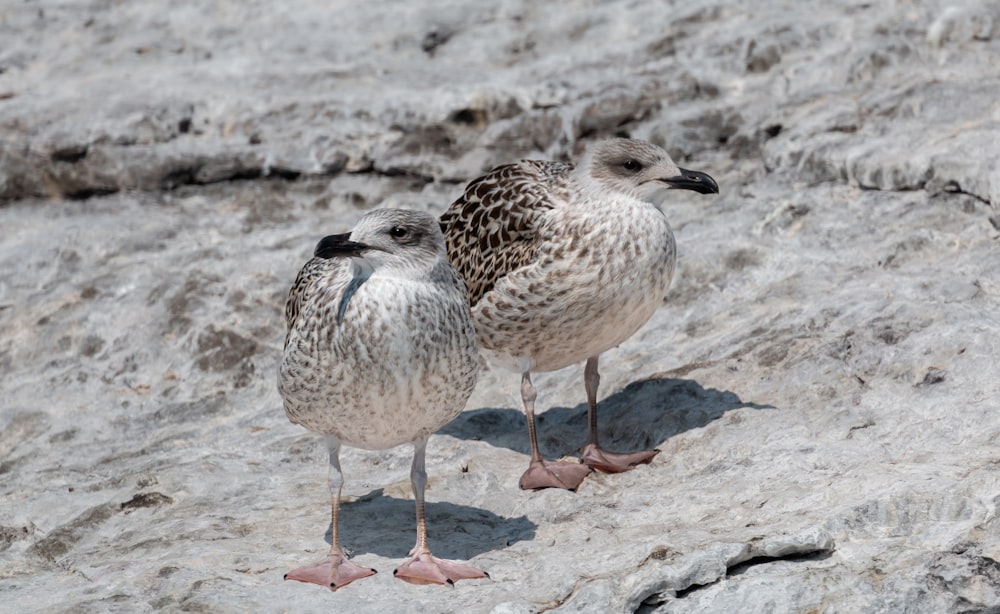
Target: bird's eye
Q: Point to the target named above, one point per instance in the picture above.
(632, 165)
(398, 232)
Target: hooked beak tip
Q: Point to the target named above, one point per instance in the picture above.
(693, 180)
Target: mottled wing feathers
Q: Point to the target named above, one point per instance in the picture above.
(304, 287)
(299, 292)
(491, 229)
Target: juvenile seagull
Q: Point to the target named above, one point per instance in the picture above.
(563, 264)
(380, 351)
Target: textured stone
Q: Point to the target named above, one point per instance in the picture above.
(821, 380)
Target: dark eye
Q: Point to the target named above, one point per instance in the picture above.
(632, 166)
(398, 232)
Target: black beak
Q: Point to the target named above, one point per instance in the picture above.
(693, 180)
(338, 246)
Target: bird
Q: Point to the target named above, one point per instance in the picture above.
(563, 263)
(380, 351)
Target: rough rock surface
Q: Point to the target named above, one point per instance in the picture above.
(822, 379)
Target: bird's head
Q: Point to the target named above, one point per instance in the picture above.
(640, 169)
(394, 240)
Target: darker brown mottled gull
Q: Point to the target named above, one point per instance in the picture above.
(564, 263)
(380, 351)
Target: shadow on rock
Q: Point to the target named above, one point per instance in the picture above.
(641, 416)
(387, 526)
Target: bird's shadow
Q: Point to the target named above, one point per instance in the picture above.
(383, 525)
(642, 415)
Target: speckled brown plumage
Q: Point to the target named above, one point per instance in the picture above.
(564, 263)
(494, 226)
(404, 349)
(380, 351)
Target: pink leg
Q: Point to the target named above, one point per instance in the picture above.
(424, 568)
(593, 455)
(542, 473)
(335, 570)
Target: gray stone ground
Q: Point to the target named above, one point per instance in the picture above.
(822, 379)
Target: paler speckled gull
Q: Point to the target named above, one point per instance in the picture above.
(380, 351)
(564, 263)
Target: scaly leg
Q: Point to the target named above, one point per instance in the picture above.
(593, 455)
(424, 568)
(335, 570)
(542, 473)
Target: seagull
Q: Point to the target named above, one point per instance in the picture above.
(380, 351)
(562, 264)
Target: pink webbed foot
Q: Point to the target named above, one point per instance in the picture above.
(609, 462)
(551, 474)
(332, 572)
(426, 569)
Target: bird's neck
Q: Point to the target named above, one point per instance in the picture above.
(600, 192)
(361, 269)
